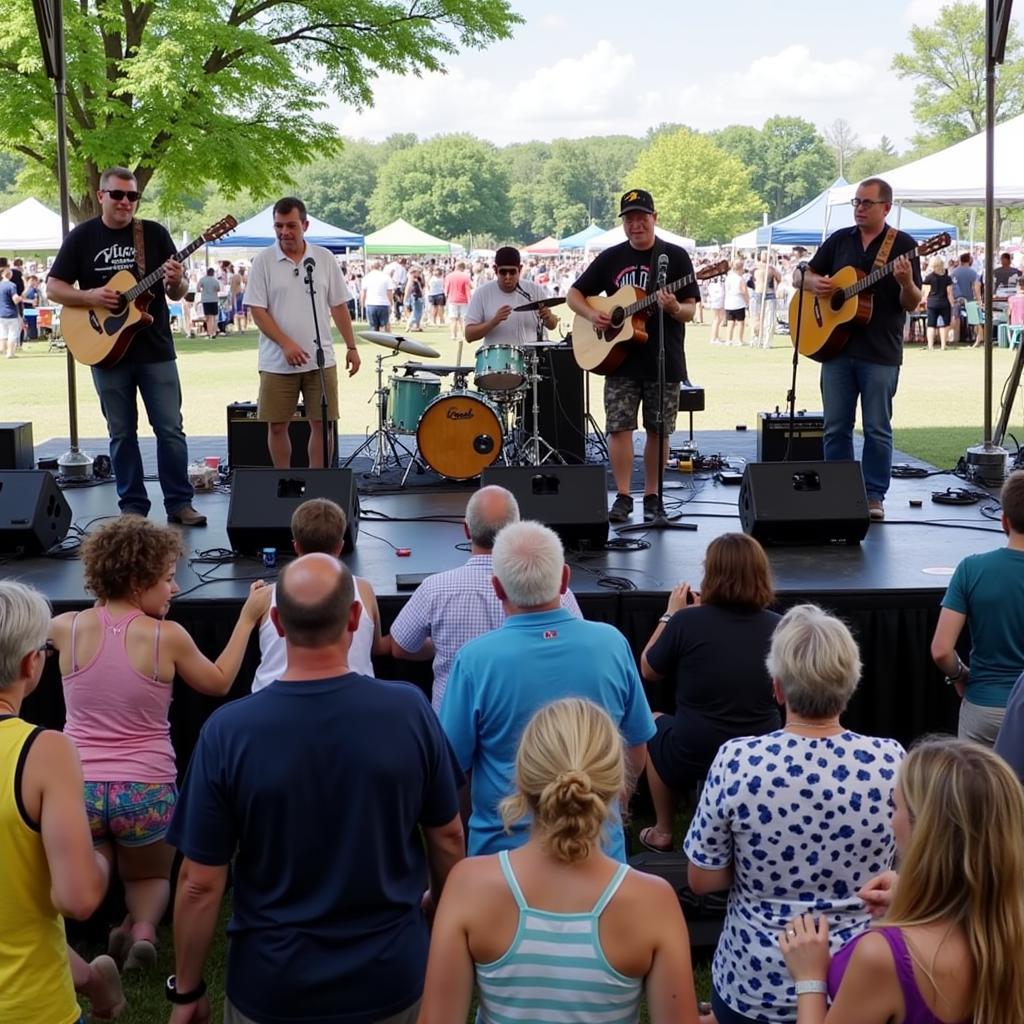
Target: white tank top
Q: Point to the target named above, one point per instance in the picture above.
(273, 655)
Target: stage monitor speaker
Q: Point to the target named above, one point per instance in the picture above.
(16, 448)
(560, 403)
(572, 500)
(263, 500)
(804, 502)
(247, 437)
(33, 513)
(774, 443)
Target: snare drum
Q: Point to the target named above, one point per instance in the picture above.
(500, 368)
(408, 398)
(459, 435)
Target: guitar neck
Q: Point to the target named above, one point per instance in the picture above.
(151, 278)
(642, 304)
(877, 274)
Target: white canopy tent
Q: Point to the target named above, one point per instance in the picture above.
(30, 227)
(615, 235)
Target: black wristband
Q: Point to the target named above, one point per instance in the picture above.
(182, 998)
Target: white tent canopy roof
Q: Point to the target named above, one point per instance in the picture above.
(30, 227)
(615, 235)
(956, 176)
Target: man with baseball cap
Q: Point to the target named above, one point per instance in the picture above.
(635, 262)
(490, 314)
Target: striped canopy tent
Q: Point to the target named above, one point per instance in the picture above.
(400, 238)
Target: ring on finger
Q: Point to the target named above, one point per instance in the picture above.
(791, 933)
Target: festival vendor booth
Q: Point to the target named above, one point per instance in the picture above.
(580, 239)
(400, 238)
(614, 235)
(258, 232)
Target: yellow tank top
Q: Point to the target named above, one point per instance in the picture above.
(35, 977)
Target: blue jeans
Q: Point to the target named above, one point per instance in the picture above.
(417, 313)
(160, 388)
(378, 317)
(843, 380)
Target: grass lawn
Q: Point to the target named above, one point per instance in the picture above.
(938, 411)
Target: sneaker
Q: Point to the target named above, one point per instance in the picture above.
(621, 510)
(187, 516)
(141, 956)
(653, 508)
(876, 510)
(105, 992)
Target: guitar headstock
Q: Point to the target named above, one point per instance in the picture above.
(220, 229)
(934, 244)
(713, 270)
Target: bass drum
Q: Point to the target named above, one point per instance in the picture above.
(459, 435)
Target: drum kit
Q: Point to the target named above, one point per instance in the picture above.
(459, 431)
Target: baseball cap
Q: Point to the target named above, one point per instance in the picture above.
(636, 199)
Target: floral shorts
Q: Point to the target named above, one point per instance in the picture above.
(129, 813)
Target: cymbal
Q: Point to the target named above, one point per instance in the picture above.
(400, 344)
(556, 300)
(440, 370)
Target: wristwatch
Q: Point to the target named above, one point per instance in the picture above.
(181, 998)
(961, 669)
(664, 618)
(811, 987)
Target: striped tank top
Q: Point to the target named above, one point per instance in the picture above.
(555, 971)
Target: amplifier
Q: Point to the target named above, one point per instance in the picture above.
(773, 437)
(247, 437)
(560, 403)
(16, 448)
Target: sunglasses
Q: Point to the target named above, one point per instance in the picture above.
(48, 649)
(119, 193)
(506, 271)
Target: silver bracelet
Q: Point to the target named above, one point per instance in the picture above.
(807, 988)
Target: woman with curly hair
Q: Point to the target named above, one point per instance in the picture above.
(118, 660)
(951, 944)
(556, 930)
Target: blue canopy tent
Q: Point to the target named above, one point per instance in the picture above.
(580, 239)
(258, 231)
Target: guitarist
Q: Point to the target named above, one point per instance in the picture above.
(630, 263)
(91, 254)
(868, 367)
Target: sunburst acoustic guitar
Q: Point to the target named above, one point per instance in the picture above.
(826, 321)
(98, 336)
(604, 351)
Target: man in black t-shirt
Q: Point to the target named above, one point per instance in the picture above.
(868, 367)
(630, 263)
(91, 254)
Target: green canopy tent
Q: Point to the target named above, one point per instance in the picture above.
(400, 238)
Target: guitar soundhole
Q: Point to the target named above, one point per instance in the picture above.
(837, 300)
(617, 316)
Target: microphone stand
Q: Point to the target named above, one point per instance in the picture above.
(791, 396)
(309, 263)
(661, 521)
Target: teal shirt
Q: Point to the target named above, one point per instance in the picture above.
(989, 590)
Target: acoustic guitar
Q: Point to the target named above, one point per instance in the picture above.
(826, 322)
(98, 336)
(603, 351)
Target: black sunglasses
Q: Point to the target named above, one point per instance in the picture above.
(48, 649)
(506, 271)
(119, 193)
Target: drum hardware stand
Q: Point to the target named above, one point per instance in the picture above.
(384, 441)
(594, 438)
(534, 442)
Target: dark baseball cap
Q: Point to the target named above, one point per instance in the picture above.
(636, 199)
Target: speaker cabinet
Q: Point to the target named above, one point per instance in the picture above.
(16, 448)
(804, 502)
(774, 443)
(247, 437)
(33, 513)
(263, 500)
(560, 404)
(572, 500)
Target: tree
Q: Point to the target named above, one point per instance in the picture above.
(947, 62)
(338, 189)
(844, 143)
(215, 90)
(450, 185)
(698, 189)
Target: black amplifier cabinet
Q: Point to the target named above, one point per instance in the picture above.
(16, 448)
(247, 437)
(773, 437)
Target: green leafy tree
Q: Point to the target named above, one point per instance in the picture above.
(450, 185)
(209, 90)
(699, 190)
(743, 142)
(796, 165)
(522, 162)
(338, 189)
(873, 160)
(947, 63)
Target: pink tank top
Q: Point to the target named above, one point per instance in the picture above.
(116, 716)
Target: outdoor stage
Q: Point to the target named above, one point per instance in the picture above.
(888, 588)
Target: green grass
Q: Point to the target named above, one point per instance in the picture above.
(938, 410)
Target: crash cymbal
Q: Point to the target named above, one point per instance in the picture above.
(442, 371)
(557, 300)
(400, 344)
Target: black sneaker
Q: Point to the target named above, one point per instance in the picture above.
(653, 508)
(621, 510)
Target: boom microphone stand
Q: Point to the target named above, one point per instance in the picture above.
(661, 521)
(309, 263)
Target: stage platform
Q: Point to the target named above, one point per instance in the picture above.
(888, 588)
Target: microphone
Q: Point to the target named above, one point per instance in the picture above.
(662, 269)
(802, 266)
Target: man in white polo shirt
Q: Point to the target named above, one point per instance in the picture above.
(278, 298)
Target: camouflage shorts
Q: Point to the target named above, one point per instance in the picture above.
(622, 400)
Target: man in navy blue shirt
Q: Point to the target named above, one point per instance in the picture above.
(868, 368)
(316, 789)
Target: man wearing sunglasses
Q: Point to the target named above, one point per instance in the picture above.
(868, 367)
(490, 312)
(91, 254)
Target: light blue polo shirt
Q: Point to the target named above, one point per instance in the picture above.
(499, 680)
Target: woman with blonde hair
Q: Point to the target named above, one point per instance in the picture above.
(556, 930)
(937, 296)
(951, 944)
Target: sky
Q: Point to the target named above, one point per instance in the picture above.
(578, 68)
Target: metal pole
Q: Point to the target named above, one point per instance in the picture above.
(990, 239)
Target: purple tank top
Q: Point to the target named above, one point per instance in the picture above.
(917, 1011)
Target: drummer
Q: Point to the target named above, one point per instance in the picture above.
(490, 314)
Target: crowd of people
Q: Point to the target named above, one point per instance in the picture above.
(390, 858)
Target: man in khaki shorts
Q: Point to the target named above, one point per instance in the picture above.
(278, 299)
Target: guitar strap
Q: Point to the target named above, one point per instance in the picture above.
(884, 249)
(140, 247)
